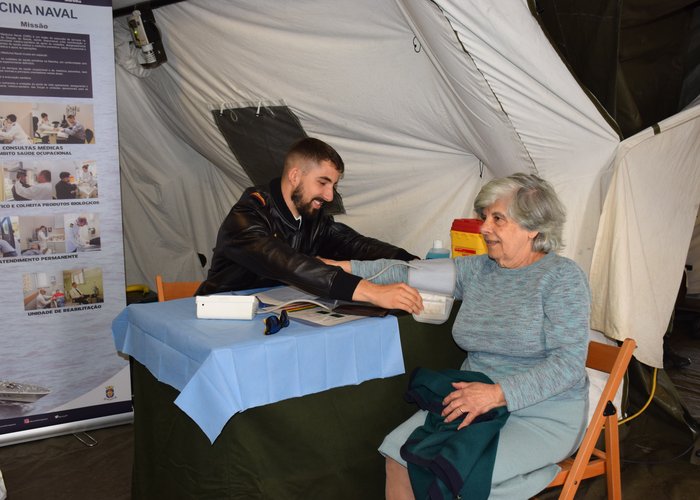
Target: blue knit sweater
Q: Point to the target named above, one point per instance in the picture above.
(526, 329)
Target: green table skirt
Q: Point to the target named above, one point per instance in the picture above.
(320, 446)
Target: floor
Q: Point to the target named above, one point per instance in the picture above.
(685, 341)
(656, 452)
(64, 468)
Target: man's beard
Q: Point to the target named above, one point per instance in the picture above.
(305, 209)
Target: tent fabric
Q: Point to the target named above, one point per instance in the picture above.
(351, 74)
(693, 260)
(425, 101)
(259, 136)
(645, 232)
(563, 134)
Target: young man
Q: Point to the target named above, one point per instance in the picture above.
(76, 295)
(44, 127)
(277, 234)
(65, 189)
(75, 131)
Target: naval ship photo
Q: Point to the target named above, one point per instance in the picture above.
(16, 392)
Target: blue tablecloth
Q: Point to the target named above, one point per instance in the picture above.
(222, 367)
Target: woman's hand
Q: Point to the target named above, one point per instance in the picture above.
(471, 399)
(394, 296)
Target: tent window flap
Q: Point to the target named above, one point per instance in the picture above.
(259, 136)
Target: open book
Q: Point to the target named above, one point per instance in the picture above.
(312, 309)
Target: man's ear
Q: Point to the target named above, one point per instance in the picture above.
(294, 175)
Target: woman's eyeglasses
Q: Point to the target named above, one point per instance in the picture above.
(273, 324)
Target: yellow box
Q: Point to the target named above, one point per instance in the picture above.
(466, 238)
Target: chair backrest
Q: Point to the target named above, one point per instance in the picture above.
(175, 289)
(589, 460)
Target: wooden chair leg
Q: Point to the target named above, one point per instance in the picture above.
(612, 453)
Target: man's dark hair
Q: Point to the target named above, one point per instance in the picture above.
(64, 175)
(12, 118)
(46, 174)
(315, 149)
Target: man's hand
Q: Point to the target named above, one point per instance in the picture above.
(471, 399)
(394, 296)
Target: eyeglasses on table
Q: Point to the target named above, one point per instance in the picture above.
(274, 324)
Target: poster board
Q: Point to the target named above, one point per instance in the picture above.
(62, 262)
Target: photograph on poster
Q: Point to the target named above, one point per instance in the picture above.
(43, 290)
(83, 286)
(59, 289)
(59, 123)
(49, 234)
(10, 240)
(85, 178)
(82, 232)
(55, 179)
(16, 120)
(42, 235)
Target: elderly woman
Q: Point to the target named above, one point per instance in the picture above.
(524, 323)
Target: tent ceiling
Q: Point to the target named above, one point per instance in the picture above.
(121, 4)
(122, 7)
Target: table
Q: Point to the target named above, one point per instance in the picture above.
(87, 190)
(319, 446)
(222, 367)
(53, 134)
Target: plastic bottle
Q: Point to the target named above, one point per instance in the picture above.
(438, 252)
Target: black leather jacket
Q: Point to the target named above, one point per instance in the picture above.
(260, 244)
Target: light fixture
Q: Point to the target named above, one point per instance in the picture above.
(146, 36)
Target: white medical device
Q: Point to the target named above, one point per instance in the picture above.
(435, 280)
(226, 306)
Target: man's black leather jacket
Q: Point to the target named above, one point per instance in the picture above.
(260, 244)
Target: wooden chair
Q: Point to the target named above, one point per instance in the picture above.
(590, 461)
(175, 289)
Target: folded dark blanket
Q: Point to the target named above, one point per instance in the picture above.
(442, 461)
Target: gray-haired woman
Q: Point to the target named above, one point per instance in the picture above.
(524, 323)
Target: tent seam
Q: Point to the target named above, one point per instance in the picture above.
(495, 96)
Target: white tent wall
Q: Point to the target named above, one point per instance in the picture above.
(348, 71)
(644, 233)
(564, 134)
(166, 180)
(425, 101)
(352, 75)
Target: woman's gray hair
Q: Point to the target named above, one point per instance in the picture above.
(533, 205)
